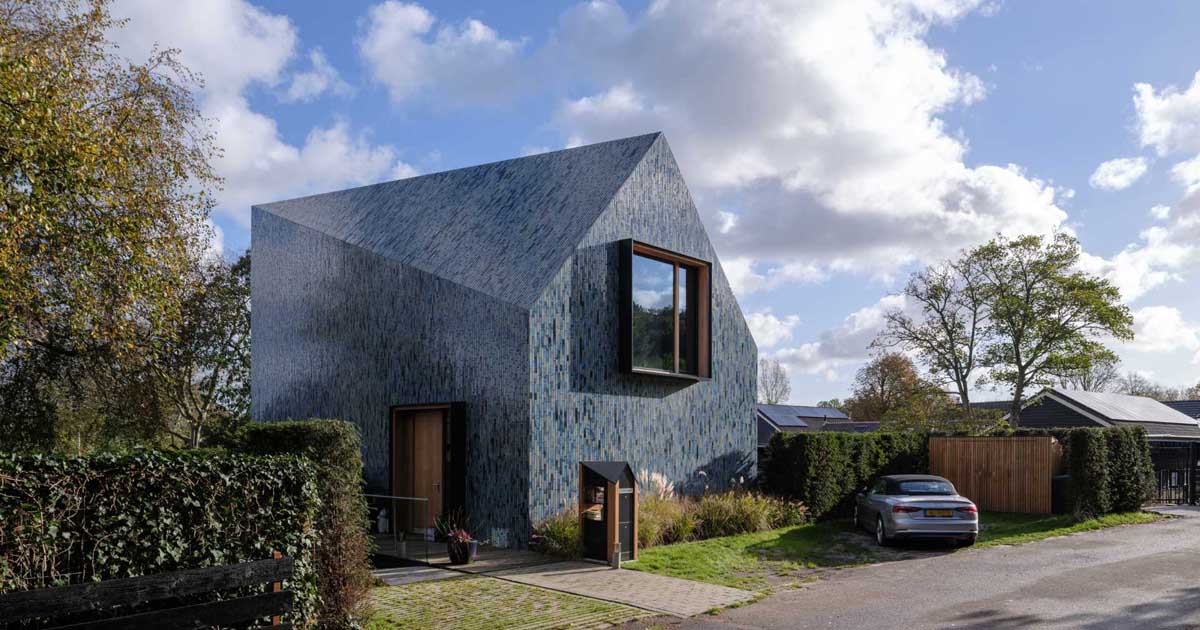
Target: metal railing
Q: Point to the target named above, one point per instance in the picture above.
(1173, 485)
(401, 527)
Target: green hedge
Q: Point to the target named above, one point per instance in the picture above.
(70, 519)
(826, 470)
(1111, 470)
(343, 548)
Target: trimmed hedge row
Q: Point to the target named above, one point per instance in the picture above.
(826, 470)
(343, 548)
(71, 519)
(1111, 470)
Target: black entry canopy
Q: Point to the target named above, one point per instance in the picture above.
(614, 472)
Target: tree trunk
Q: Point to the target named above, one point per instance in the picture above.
(1014, 411)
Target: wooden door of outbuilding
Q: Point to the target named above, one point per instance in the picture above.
(1000, 474)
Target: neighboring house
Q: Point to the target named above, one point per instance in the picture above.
(1186, 407)
(1059, 407)
(774, 419)
(489, 328)
(1174, 436)
(992, 405)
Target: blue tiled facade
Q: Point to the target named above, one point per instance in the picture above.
(346, 327)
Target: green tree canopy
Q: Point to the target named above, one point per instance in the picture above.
(105, 184)
(1047, 317)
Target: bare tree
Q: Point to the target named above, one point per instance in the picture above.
(1135, 384)
(773, 384)
(949, 334)
(1100, 376)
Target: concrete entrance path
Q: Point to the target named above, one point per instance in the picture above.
(657, 593)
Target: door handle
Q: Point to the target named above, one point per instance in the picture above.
(437, 485)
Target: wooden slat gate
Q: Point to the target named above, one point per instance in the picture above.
(1000, 474)
(50, 604)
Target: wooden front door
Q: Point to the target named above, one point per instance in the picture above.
(418, 454)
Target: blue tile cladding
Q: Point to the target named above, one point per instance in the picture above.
(339, 332)
(497, 286)
(582, 407)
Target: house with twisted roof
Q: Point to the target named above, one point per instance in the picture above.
(490, 328)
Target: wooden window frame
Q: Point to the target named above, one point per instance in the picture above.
(702, 293)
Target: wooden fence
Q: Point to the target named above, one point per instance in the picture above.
(1000, 474)
(51, 605)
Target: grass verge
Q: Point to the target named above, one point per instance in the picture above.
(782, 557)
(1013, 529)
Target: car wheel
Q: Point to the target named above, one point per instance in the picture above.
(967, 541)
(881, 537)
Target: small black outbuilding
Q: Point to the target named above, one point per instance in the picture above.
(608, 510)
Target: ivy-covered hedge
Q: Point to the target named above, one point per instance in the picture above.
(72, 519)
(1111, 470)
(342, 555)
(826, 470)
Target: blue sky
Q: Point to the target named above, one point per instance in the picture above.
(832, 147)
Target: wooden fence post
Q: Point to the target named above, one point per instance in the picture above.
(276, 587)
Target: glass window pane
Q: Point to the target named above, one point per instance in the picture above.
(686, 329)
(653, 314)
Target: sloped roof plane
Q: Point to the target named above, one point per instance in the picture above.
(795, 415)
(503, 228)
(1125, 408)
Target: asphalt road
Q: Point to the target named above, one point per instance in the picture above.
(1139, 577)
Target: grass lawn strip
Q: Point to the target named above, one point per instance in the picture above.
(1014, 529)
(476, 602)
(785, 557)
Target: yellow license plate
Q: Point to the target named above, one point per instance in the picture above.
(939, 513)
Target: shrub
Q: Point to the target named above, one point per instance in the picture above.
(785, 513)
(1088, 464)
(825, 470)
(1130, 470)
(560, 535)
(730, 513)
(343, 547)
(72, 519)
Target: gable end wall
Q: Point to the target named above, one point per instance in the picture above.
(340, 332)
(582, 407)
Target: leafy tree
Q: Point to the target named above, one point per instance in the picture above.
(888, 383)
(1047, 317)
(104, 184)
(1100, 375)
(774, 386)
(204, 367)
(951, 330)
(833, 403)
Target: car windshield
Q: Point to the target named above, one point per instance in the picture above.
(926, 486)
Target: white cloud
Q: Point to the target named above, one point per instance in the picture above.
(1160, 212)
(323, 77)
(745, 279)
(1163, 329)
(464, 63)
(769, 330)
(846, 345)
(235, 45)
(1118, 174)
(824, 130)
(1157, 259)
(1168, 120)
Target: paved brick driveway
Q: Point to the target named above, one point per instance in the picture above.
(658, 593)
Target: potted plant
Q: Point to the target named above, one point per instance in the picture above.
(452, 526)
(460, 547)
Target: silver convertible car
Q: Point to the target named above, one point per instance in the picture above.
(916, 506)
